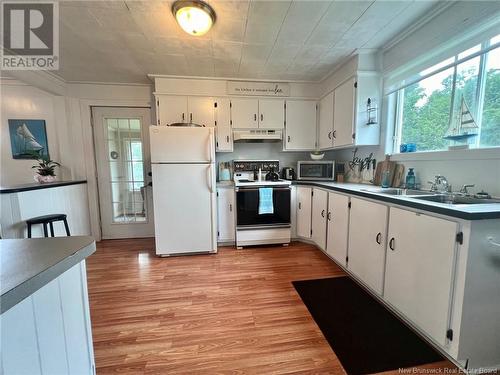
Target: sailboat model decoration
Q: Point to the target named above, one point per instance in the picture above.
(28, 139)
(464, 127)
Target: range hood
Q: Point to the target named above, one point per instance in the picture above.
(257, 136)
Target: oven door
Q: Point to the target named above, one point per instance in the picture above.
(247, 208)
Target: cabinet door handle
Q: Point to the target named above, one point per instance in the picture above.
(190, 117)
(227, 138)
(323, 213)
(182, 116)
(288, 138)
(329, 135)
(378, 238)
(261, 117)
(329, 216)
(334, 134)
(391, 244)
(255, 116)
(300, 206)
(230, 207)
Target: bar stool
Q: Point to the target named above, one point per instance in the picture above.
(47, 219)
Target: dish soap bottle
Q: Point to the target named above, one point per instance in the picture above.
(410, 179)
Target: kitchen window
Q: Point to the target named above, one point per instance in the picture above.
(429, 105)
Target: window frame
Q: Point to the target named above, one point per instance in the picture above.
(397, 124)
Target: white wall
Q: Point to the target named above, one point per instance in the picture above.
(21, 101)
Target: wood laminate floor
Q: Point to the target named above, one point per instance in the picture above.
(235, 312)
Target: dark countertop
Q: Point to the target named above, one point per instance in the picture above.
(37, 186)
(468, 212)
(31, 263)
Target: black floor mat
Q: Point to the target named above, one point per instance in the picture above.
(365, 336)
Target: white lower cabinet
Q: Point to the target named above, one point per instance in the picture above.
(367, 241)
(225, 215)
(338, 227)
(304, 195)
(419, 269)
(319, 214)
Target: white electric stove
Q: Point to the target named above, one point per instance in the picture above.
(254, 227)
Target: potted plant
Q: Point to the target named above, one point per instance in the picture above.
(45, 170)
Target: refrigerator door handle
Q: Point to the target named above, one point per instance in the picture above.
(210, 145)
(209, 178)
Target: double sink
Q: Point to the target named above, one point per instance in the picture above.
(430, 196)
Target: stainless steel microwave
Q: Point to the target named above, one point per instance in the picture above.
(316, 170)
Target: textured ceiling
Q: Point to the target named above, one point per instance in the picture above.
(123, 41)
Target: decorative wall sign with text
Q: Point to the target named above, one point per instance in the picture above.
(258, 88)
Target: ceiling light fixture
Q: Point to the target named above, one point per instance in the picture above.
(194, 16)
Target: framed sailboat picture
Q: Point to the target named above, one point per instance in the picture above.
(28, 139)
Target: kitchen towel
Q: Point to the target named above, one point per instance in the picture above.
(266, 205)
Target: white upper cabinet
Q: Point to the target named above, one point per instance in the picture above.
(244, 113)
(325, 127)
(367, 240)
(224, 131)
(271, 113)
(197, 109)
(419, 269)
(319, 215)
(304, 200)
(171, 109)
(300, 125)
(343, 113)
(201, 110)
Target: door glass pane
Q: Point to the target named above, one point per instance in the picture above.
(490, 124)
(126, 167)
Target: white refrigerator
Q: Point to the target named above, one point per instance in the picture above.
(184, 196)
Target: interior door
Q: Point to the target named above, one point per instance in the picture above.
(171, 109)
(123, 161)
(419, 270)
(201, 110)
(244, 113)
(325, 133)
(338, 227)
(343, 113)
(367, 242)
(319, 214)
(271, 113)
(304, 212)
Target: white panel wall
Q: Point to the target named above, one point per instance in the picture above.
(20, 101)
(49, 332)
(70, 200)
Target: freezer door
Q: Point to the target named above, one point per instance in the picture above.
(184, 208)
(181, 144)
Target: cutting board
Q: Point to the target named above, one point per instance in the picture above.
(399, 175)
(386, 165)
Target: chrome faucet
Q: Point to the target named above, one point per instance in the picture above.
(464, 188)
(440, 181)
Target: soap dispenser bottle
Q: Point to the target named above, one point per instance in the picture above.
(410, 179)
